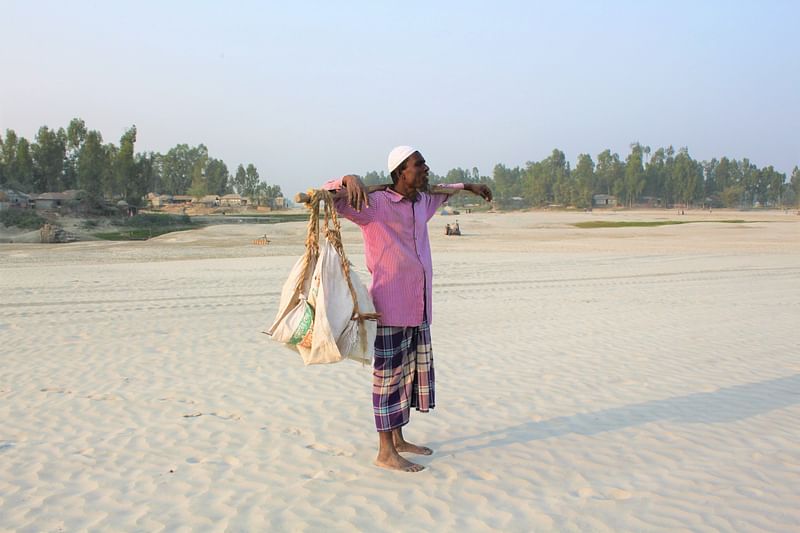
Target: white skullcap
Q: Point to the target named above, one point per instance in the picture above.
(398, 155)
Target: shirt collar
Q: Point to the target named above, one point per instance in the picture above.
(396, 197)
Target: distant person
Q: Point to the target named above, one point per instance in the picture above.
(394, 225)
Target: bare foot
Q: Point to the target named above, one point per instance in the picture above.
(412, 448)
(395, 462)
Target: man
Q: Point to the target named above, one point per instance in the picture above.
(394, 225)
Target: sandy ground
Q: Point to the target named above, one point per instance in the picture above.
(629, 379)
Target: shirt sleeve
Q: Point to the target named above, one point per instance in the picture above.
(363, 217)
(437, 199)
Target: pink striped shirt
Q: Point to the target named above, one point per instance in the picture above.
(398, 251)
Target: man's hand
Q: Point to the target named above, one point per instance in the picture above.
(357, 194)
(479, 189)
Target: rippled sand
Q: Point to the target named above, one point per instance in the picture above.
(628, 379)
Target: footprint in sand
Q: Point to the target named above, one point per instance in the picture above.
(57, 390)
(619, 494)
(100, 397)
(224, 416)
(173, 399)
(227, 416)
(86, 452)
(330, 475)
(229, 460)
(610, 494)
(295, 432)
(322, 448)
(484, 475)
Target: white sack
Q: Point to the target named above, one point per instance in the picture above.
(335, 334)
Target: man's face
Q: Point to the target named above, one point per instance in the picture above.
(415, 175)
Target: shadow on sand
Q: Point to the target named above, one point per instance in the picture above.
(727, 404)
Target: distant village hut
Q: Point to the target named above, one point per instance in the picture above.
(126, 209)
(49, 200)
(180, 199)
(70, 199)
(209, 200)
(11, 198)
(158, 200)
(604, 200)
(232, 200)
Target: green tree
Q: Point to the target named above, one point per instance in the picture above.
(198, 173)
(549, 181)
(795, 183)
(731, 196)
(634, 181)
(374, 178)
(688, 178)
(251, 180)
(240, 179)
(655, 174)
(724, 174)
(217, 177)
(8, 157)
(2, 165)
(457, 175)
(92, 161)
(264, 194)
(749, 181)
(584, 180)
(774, 186)
(508, 183)
(149, 172)
(182, 167)
(48, 153)
(112, 188)
(75, 135)
(610, 172)
(127, 171)
(535, 186)
(23, 165)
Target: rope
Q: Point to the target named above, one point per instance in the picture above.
(333, 232)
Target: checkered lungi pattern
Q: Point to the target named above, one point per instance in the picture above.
(402, 374)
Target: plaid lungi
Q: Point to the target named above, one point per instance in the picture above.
(402, 374)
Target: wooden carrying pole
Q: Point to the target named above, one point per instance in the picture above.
(305, 198)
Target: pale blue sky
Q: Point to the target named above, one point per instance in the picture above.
(309, 90)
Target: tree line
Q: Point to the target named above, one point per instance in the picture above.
(662, 177)
(77, 158)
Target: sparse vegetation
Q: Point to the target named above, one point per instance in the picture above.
(148, 225)
(153, 220)
(140, 234)
(21, 218)
(634, 224)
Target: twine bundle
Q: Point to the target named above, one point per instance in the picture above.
(333, 232)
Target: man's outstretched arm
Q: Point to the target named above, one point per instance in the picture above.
(479, 189)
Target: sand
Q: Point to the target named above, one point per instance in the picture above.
(625, 379)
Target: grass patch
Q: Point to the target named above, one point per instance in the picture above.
(153, 220)
(633, 224)
(140, 234)
(89, 223)
(146, 226)
(21, 218)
